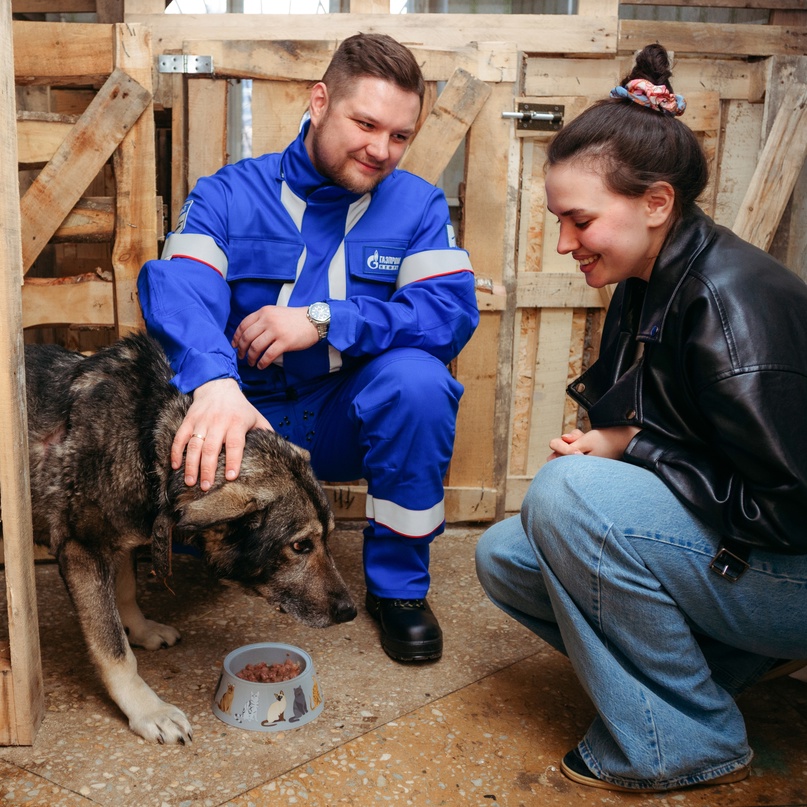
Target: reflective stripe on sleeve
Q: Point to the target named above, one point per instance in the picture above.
(196, 247)
(432, 263)
(411, 523)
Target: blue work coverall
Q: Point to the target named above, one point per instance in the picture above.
(374, 399)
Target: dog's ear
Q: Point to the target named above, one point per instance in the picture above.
(224, 503)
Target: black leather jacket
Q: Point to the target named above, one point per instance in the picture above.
(720, 388)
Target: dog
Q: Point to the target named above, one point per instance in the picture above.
(100, 429)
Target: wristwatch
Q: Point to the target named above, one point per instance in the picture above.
(319, 315)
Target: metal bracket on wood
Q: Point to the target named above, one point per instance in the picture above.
(182, 63)
(538, 117)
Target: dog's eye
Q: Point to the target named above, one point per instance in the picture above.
(302, 547)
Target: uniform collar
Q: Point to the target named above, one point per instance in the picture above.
(298, 172)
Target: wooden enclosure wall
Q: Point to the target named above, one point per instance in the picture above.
(747, 90)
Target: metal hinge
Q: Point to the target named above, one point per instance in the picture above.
(180, 63)
(538, 117)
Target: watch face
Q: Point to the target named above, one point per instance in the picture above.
(320, 312)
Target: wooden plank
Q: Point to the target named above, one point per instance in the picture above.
(92, 220)
(446, 126)
(83, 152)
(52, 6)
(59, 53)
(789, 244)
(702, 112)
(369, 6)
(598, 8)
(729, 78)
(486, 235)
(777, 171)
(277, 108)
(462, 504)
(22, 701)
(39, 136)
(534, 33)
(179, 147)
(136, 224)
(63, 301)
(207, 127)
(763, 4)
(714, 38)
(555, 290)
(739, 152)
(307, 59)
(109, 11)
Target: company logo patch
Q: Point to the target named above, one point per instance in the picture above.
(183, 215)
(383, 260)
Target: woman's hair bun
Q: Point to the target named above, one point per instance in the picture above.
(652, 63)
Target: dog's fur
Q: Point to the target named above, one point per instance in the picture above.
(100, 433)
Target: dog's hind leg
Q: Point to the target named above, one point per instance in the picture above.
(142, 632)
(89, 580)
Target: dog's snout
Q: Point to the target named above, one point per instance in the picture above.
(344, 611)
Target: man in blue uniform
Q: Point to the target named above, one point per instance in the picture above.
(319, 292)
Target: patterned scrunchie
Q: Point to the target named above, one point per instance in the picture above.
(655, 96)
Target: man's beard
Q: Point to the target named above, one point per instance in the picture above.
(341, 175)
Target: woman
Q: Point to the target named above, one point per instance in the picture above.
(665, 550)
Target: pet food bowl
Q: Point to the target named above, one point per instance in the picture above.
(270, 706)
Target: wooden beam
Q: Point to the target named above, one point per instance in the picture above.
(39, 135)
(207, 128)
(307, 59)
(777, 170)
(730, 78)
(533, 33)
(135, 161)
(790, 242)
(61, 53)
(60, 184)
(85, 299)
(53, 6)
(761, 4)
(446, 126)
(22, 701)
(555, 290)
(709, 38)
(92, 220)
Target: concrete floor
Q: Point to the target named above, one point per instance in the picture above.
(487, 725)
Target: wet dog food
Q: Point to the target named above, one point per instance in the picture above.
(264, 673)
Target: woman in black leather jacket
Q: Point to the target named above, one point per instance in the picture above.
(665, 550)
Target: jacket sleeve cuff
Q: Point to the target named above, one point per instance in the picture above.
(345, 324)
(199, 368)
(646, 449)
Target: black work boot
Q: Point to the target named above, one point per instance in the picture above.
(409, 628)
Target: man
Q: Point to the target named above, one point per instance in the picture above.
(319, 292)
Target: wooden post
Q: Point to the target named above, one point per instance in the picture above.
(22, 702)
(136, 180)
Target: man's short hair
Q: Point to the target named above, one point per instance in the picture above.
(376, 55)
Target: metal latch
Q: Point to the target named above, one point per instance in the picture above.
(538, 117)
(181, 63)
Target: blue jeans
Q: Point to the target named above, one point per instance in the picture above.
(611, 569)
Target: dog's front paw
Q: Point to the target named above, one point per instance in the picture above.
(166, 725)
(152, 635)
